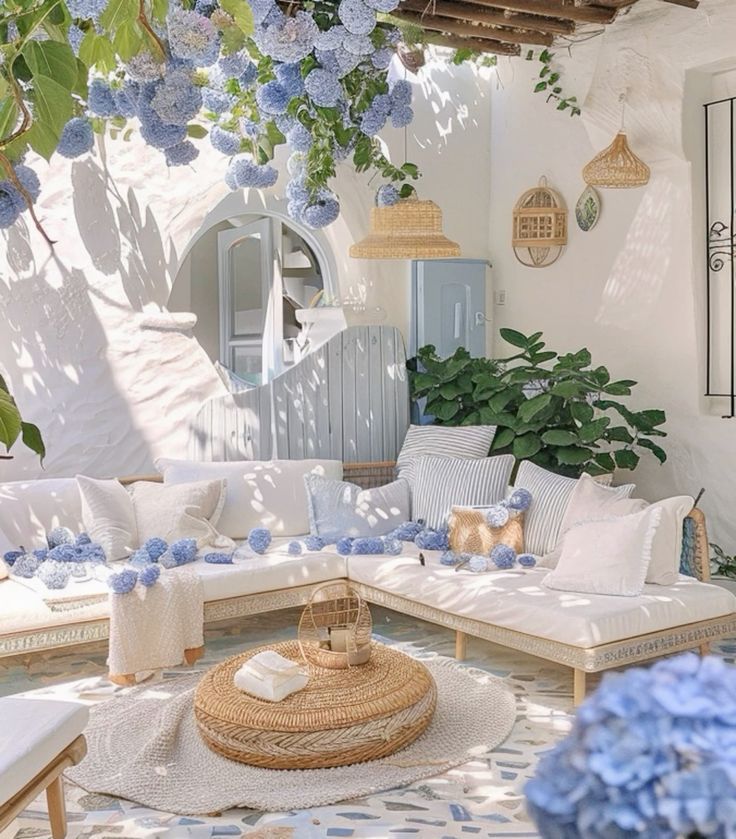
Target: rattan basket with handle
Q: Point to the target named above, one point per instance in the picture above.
(335, 627)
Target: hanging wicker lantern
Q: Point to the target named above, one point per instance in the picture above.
(409, 229)
(617, 167)
(335, 627)
(540, 226)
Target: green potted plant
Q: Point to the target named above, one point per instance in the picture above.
(723, 568)
(559, 411)
(13, 426)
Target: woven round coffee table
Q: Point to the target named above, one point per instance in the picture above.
(341, 717)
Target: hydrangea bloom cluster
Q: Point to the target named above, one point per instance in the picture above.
(294, 548)
(314, 543)
(67, 556)
(407, 531)
(432, 540)
(149, 575)
(218, 558)
(181, 552)
(651, 753)
(12, 200)
(259, 539)
(122, 582)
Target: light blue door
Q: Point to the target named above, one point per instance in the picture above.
(449, 305)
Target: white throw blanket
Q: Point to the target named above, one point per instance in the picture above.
(270, 676)
(151, 627)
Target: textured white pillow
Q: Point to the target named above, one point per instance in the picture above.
(466, 441)
(180, 511)
(259, 493)
(29, 509)
(109, 517)
(610, 556)
(590, 501)
(664, 569)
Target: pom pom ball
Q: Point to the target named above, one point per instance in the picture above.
(477, 564)
(54, 574)
(60, 536)
(392, 547)
(82, 539)
(26, 566)
(141, 557)
(179, 553)
(497, 516)
(519, 500)
(407, 531)
(155, 548)
(11, 556)
(450, 558)
(259, 539)
(219, 558)
(149, 575)
(503, 556)
(294, 548)
(367, 546)
(527, 560)
(314, 543)
(344, 546)
(122, 582)
(432, 540)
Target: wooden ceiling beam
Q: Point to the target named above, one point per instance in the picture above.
(475, 44)
(472, 30)
(550, 8)
(491, 17)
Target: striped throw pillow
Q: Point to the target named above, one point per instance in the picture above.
(551, 494)
(441, 483)
(466, 441)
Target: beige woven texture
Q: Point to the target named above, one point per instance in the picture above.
(145, 747)
(341, 717)
(471, 533)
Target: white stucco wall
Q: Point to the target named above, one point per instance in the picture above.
(109, 395)
(633, 289)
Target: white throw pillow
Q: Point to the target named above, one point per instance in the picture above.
(610, 556)
(109, 516)
(29, 509)
(466, 441)
(180, 511)
(259, 493)
(591, 501)
(664, 569)
(550, 496)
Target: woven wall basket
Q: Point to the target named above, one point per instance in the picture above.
(540, 226)
(617, 167)
(409, 229)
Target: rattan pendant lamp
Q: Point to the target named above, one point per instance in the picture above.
(617, 167)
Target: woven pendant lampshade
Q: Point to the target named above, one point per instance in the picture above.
(409, 229)
(617, 167)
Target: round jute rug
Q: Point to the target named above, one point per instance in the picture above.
(145, 747)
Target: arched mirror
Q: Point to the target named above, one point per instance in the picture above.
(245, 278)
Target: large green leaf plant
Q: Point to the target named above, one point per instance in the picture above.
(558, 411)
(13, 426)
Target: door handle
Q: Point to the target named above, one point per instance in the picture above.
(480, 318)
(458, 319)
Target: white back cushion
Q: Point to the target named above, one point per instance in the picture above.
(664, 569)
(259, 493)
(29, 509)
(467, 441)
(109, 516)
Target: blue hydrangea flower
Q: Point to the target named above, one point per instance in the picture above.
(296, 164)
(339, 61)
(520, 499)
(54, 575)
(314, 543)
(357, 17)
(299, 138)
(344, 546)
(77, 138)
(527, 560)
(289, 76)
(497, 516)
(401, 93)
(161, 135)
(321, 212)
(401, 117)
(28, 180)
(382, 58)
(249, 127)
(387, 195)
(261, 9)
(432, 540)
(155, 547)
(234, 65)
(384, 6)
(392, 547)
(126, 98)
(75, 36)
(86, 9)
(177, 100)
(226, 142)
(40, 553)
(63, 553)
(294, 548)
(375, 116)
(246, 173)
(100, 99)
(179, 553)
(503, 556)
(450, 558)
(295, 209)
(288, 39)
(93, 553)
(123, 581)
(145, 67)
(360, 45)
(217, 101)
(26, 565)
(248, 77)
(365, 546)
(59, 536)
(273, 98)
(140, 557)
(193, 37)
(285, 122)
(324, 89)
(259, 539)
(477, 564)
(181, 154)
(83, 539)
(331, 38)
(149, 575)
(10, 204)
(218, 558)
(11, 556)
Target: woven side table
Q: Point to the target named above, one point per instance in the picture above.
(341, 717)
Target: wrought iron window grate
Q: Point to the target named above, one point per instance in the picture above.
(720, 208)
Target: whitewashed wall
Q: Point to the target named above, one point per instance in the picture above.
(109, 395)
(633, 289)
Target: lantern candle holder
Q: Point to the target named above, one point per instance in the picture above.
(540, 226)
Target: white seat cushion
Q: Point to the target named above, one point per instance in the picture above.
(517, 600)
(34, 731)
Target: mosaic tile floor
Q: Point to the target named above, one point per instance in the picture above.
(482, 798)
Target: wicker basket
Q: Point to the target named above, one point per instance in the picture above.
(540, 226)
(335, 627)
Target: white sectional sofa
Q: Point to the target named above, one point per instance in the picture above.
(588, 633)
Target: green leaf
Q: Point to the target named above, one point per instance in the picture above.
(411, 169)
(656, 450)
(53, 106)
(503, 438)
(10, 421)
(160, 8)
(573, 455)
(97, 51)
(198, 132)
(529, 409)
(32, 439)
(241, 13)
(581, 411)
(559, 437)
(117, 13)
(526, 446)
(500, 400)
(592, 431)
(619, 434)
(516, 339)
(445, 411)
(451, 390)
(605, 461)
(644, 420)
(567, 389)
(626, 459)
(617, 389)
(53, 60)
(540, 86)
(8, 117)
(128, 40)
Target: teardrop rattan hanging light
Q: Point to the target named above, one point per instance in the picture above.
(409, 229)
(617, 167)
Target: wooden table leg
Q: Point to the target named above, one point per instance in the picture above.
(578, 686)
(461, 645)
(193, 655)
(57, 807)
(705, 648)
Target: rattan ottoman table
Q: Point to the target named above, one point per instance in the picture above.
(341, 717)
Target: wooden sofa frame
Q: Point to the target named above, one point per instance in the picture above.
(583, 661)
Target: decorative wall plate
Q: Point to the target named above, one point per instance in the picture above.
(588, 209)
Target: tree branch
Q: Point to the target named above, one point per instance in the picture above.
(144, 22)
(13, 178)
